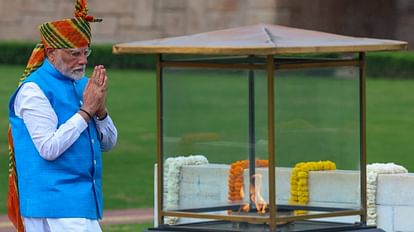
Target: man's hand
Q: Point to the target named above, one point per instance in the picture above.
(101, 112)
(94, 95)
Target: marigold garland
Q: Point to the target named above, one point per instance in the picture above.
(299, 191)
(236, 179)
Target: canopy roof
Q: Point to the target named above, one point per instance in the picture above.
(262, 39)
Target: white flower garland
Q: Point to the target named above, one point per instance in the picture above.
(373, 170)
(172, 169)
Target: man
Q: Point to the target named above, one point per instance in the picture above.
(58, 127)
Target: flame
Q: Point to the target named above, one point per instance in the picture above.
(255, 196)
(245, 207)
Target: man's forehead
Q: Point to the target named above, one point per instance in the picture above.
(78, 49)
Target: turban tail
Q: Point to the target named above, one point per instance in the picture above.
(13, 194)
(66, 33)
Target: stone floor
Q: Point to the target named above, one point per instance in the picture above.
(111, 217)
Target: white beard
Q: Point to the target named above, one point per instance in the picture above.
(74, 74)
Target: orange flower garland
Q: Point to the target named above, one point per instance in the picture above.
(236, 179)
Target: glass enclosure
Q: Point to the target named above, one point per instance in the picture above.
(233, 131)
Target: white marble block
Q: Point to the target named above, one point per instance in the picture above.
(403, 218)
(207, 185)
(385, 217)
(396, 189)
(203, 185)
(339, 187)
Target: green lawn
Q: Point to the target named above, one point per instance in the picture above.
(127, 228)
(390, 121)
(128, 169)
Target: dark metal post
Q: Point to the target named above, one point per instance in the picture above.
(252, 134)
(160, 138)
(271, 140)
(363, 151)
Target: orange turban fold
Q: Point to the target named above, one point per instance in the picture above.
(66, 33)
(69, 33)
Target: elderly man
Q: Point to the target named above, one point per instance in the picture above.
(58, 127)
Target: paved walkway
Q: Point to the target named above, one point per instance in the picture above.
(111, 217)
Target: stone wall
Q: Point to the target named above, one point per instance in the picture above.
(130, 20)
(385, 19)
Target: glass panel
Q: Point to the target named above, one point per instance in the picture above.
(207, 153)
(317, 119)
(206, 140)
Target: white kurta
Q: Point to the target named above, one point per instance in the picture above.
(61, 225)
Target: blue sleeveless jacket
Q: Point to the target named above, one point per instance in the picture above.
(69, 186)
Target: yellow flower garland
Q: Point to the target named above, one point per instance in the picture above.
(299, 191)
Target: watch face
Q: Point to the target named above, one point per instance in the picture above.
(100, 119)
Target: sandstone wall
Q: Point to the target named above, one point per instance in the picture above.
(386, 19)
(129, 20)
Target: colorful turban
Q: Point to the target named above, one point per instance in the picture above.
(69, 33)
(66, 33)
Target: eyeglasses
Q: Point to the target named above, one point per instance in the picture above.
(76, 53)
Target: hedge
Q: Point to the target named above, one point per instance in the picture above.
(379, 64)
(19, 53)
(390, 64)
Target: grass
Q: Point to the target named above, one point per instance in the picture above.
(128, 169)
(390, 127)
(127, 228)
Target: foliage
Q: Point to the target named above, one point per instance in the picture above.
(15, 52)
(102, 54)
(391, 65)
(18, 53)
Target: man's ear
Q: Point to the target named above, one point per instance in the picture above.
(50, 53)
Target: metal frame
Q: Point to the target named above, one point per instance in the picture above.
(271, 65)
(238, 227)
(362, 125)
(271, 141)
(252, 132)
(160, 138)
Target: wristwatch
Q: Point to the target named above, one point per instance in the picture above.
(100, 119)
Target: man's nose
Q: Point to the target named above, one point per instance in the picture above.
(83, 59)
